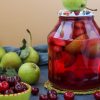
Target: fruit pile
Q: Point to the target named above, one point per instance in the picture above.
(26, 59)
(11, 85)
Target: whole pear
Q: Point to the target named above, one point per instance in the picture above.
(33, 56)
(2, 52)
(74, 5)
(11, 60)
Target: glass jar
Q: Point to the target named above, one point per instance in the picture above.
(74, 53)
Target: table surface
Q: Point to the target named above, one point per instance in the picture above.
(44, 77)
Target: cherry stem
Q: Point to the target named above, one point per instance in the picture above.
(91, 9)
(28, 31)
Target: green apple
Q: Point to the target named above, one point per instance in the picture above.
(2, 52)
(33, 56)
(74, 5)
(29, 73)
(11, 60)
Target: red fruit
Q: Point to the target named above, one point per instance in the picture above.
(5, 85)
(35, 91)
(93, 48)
(59, 42)
(51, 92)
(1, 88)
(97, 95)
(52, 96)
(43, 97)
(77, 45)
(9, 91)
(57, 49)
(2, 78)
(79, 25)
(69, 96)
(78, 33)
(68, 59)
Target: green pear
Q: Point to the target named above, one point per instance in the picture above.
(2, 52)
(11, 60)
(74, 5)
(29, 73)
(28, 53)
(33, 56)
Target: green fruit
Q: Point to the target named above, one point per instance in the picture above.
(33, 56)
(2, 52)
(11, 60)
(29, 73)
(74, 5)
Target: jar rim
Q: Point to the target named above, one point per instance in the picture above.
(83, 13)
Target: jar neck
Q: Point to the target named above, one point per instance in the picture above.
(61, 18)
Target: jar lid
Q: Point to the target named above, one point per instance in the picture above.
(83, 13)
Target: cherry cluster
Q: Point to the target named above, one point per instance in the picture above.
(11, 85)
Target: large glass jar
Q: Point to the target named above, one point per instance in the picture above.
(74, 53)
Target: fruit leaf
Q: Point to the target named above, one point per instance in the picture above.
(11, 72)
(1, 71)
(24, 53)
(24, 42)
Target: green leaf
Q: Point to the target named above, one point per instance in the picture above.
(11, 72)
(24, 43)
(1, 71)
(24, 53)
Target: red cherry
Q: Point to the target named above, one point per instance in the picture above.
(5, 85)
(51, 92)
(9, 91)
(78, 33)
(57, 48)
(69, 96)
(52, 96)
(35, 91)
(1, 88)
(68, 59)
(43, 97)
(59, 42)
(79, 25)
(97, 95)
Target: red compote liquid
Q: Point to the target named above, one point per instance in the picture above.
(74, 54)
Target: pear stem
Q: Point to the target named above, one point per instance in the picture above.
(91, 9)
(28, 31)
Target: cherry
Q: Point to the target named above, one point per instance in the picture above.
(24, 86)
(35, 91)
(17, 79)
(11, 81)
(69, 96)
(57, 48)
(9, 91)
(43, 97)
(5, 85)
(1, 87)
(59, 42)
(51, 92)
(97, 95)
(3, 78)
(18, 87)
(52, 96)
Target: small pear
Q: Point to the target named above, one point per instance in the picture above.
(2, 52)
(33, 56)
(28, 53)
(11, 60)
(75, 5)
